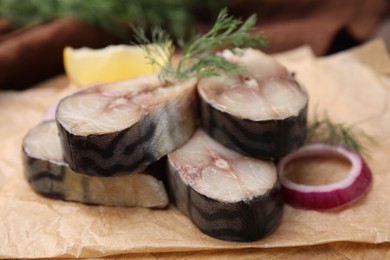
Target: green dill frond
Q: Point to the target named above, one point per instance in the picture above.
(159, 45)
(326, 131)
(199, 55)
(109, 15)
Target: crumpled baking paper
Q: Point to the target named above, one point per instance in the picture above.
(351, 87)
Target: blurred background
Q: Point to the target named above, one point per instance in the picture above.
(33, 33)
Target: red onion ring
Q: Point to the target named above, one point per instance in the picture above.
(329, 196)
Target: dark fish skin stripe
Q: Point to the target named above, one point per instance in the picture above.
(256, 218)
(262, 139)
(277, 132)
(105, 156)
(224, 210)
(249, 129)
(38, 169)
(117, 169)
(28, 160)
(104, 152)
(131, 148)
(42, 174)
(249, 214)
(108, 152)
(45, 175)
(231, 140)
(52, 195)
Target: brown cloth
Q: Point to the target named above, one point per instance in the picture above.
(31, 55)
(5, 26)
(290, 24)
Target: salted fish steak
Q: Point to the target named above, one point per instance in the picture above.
(50, 176)
(227, 195)
(116, 128)
(260, 112)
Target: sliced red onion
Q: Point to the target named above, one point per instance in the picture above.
(329, 196)
(50, 113)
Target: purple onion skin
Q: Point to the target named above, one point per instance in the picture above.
(325, 200)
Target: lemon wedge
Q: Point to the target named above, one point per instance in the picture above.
(85, 66)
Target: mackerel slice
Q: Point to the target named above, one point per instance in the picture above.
(261, 112)
(226, 195)
(116, 128)
(51, 177)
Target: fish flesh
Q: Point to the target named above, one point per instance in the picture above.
(115, 128)
(260, 112)
(227, 195)
(50, 176)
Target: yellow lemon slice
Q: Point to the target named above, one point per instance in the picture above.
(113, 63)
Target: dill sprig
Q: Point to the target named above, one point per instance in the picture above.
(158, 51)
(111, 16)
(326, 131)
(199, 55)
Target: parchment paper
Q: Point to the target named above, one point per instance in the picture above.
(352, 87)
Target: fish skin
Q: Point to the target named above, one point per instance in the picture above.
(54, 179)
(260, 139)
(132, 149)
(44, 177)
(259, 112)
(243, 221)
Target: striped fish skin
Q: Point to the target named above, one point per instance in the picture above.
(244, 220)
(44, 177)
(260, 112)
(261, 139)
(161, 128)
(49, 176)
